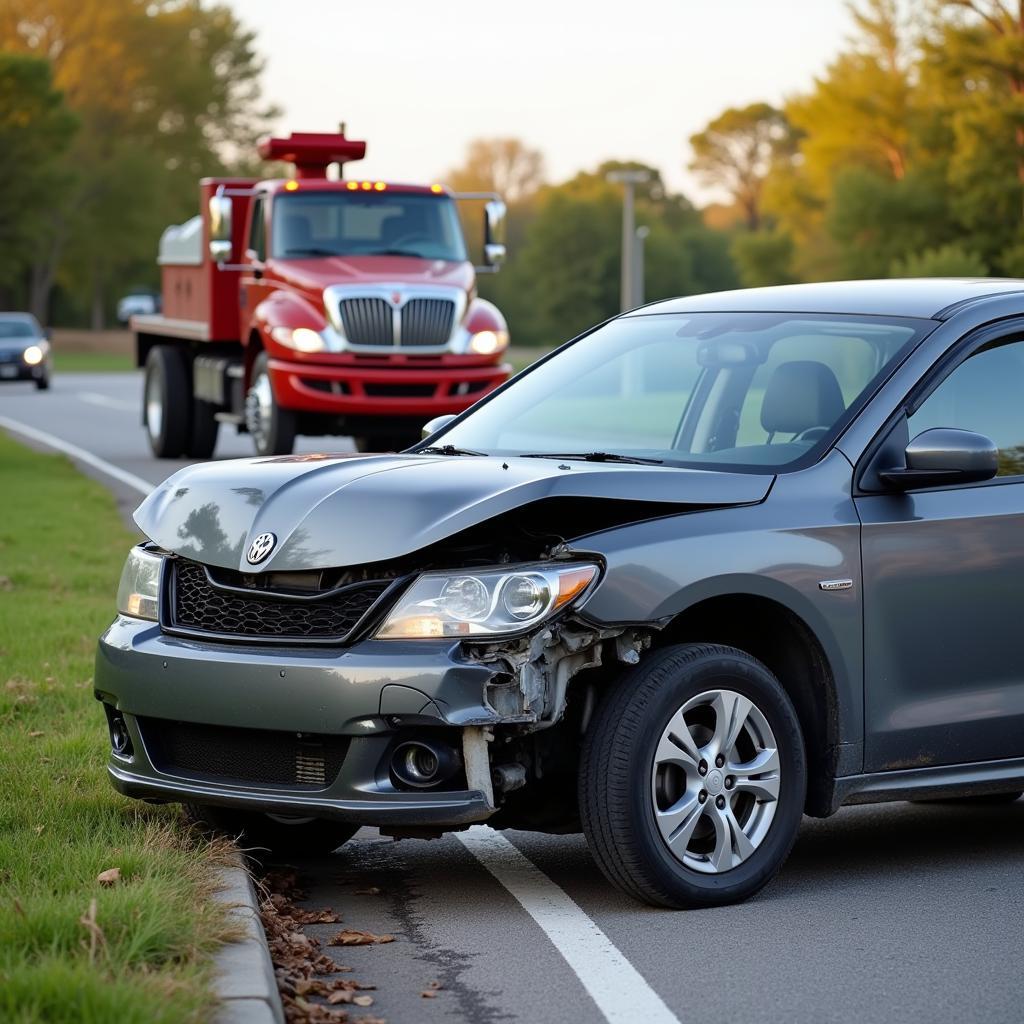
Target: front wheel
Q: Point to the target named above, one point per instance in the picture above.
(281, 835)
(693, 778)
(272, 428)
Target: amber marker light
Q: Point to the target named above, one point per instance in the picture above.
(572, 583)
(352, 185)
(379, 186)
(291, 186)
(436, 189)
(367, 185)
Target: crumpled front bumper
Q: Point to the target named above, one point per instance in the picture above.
(368, 698)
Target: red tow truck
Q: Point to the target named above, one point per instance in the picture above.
(310, 305)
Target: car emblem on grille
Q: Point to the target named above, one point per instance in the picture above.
(260, 548)
(396, 298)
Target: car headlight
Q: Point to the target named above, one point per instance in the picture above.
(465, 604)
(486, 343)
(35, 354)
(138, 593)
(302, 339)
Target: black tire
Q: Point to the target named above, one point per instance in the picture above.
(983, 800)
(167, 383)
(394, 442)
(615, 782)
(257, 831)
(43, 383)
(202, 439)
(272, 428)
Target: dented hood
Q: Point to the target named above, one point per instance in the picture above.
(341, 510)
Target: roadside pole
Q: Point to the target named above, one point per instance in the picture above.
(629, 180)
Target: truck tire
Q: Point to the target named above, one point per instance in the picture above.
(394, 442)
(272, 428)
(167, 402)
(693, 778)
(202, 439)
(281, 836)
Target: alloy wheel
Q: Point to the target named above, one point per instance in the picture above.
(715, 781)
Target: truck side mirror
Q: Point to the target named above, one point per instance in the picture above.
(220, 228)
(945, 455)
(494, 234)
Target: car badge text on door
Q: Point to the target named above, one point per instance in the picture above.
(260, 548)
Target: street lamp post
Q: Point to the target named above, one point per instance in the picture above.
(638, 265)
(629, 180)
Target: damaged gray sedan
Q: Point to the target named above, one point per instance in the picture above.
(718, 563)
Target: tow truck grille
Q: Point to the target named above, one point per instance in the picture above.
(304, 760)
(197, 605)
(427, 321)
(421, 322)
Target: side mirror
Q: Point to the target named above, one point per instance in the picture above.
(494, 234)
(436, 424)
(220, 228)
(945, 455)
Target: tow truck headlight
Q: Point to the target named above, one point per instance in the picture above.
(302, 339)
(35, 354)
(467, 604)
(138, 594)
(486, 343)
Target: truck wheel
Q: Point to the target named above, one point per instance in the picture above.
(693, 777)
(167, 402)
(272, 428)
(202, 439)
(282, 835)
(396, 442)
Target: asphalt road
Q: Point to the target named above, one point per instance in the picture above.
(892, 913)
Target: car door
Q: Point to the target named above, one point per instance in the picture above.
(943, 572)
(252, 289)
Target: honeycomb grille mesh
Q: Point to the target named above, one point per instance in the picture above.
(197, 605)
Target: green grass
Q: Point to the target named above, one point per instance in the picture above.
(92, 362)
(146, 957)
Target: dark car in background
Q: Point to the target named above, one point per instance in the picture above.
(24, 350)
(719, 563)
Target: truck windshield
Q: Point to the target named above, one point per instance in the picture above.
(366, 224)
(747, 392)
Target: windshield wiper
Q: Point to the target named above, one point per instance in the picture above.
(447, 449)
(311, 250)
(595, 457)
(395, 252)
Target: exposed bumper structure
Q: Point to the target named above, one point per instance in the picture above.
(426, 388)
(337, 718)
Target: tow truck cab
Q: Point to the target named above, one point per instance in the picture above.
(318, 306)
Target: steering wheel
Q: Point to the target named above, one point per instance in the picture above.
(811, 434)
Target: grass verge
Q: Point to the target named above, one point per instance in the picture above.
(92, 362)
(71, 949)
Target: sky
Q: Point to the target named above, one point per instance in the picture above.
(582, 82)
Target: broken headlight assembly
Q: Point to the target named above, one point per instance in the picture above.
(138, 594)
(499, 603)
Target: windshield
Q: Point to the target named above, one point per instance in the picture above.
(741, 391)
(366, 224)
(17, 329)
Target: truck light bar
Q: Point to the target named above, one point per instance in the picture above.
(311, 152)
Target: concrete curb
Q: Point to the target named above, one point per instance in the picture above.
(245, 985)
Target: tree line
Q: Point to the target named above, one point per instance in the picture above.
(904, 157)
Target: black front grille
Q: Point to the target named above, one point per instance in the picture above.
(197, 605)
(304, 760)
(367, 321)
(427, 321)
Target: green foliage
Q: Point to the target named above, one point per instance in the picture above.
(140, 955)
(946, 261)
(764, 258)
(35, 127)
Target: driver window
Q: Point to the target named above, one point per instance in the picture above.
(257, 233)
(985, 393)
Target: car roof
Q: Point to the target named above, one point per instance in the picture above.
(929, 298)
(26, 318)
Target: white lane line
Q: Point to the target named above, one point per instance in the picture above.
(95, 398)
(616, 986)
(52, 441)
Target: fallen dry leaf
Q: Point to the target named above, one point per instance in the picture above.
(109, 877)
(350, 937)
(429, 994)
(363, 1000)
(5, 583)
(36, 733)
